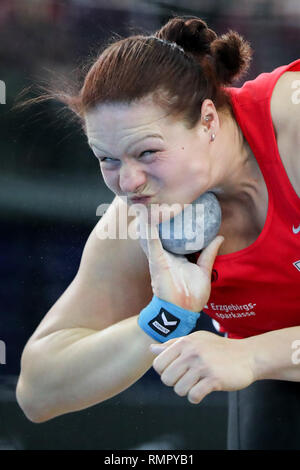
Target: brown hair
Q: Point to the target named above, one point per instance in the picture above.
(182, 64)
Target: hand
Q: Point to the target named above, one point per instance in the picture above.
(203, 362)
(173, 277)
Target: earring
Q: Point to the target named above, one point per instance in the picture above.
(206, 118)
(212, 137)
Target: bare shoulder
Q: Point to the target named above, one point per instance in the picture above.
(285, 111)
(285, 101)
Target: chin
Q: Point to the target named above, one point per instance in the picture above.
(216, 191)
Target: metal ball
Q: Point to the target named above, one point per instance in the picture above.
(194, 228)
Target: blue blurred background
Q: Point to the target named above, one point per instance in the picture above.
(50, 187)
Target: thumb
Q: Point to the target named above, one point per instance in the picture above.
(208, 255)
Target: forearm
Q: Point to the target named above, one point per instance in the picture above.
(276, 354)
(73, 369)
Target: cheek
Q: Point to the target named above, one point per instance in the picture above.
(110, 179)
(186, 179)
(187, 171)
(197, 164)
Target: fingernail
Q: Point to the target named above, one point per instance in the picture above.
(156, 348)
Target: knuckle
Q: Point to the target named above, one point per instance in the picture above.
(193, 360)
(157, 367)
(183, 340)
(193, 356)
(215, 385)
(202, 335)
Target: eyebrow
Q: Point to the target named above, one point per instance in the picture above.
(132, 144)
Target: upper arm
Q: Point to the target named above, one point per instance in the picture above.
(285, 111)
(112, 283)
(285, 104)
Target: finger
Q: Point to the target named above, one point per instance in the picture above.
(154, 245)
(187, 381)
(174, 372)
(165, 358)
(208, 255)
(141, 227)
(158, 348)
(150, 239)
(202, 388)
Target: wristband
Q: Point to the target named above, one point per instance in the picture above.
(163, 320)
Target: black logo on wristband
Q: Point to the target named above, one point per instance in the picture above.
(164, 323)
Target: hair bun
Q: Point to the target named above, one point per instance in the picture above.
(232, 55)
(192, 34)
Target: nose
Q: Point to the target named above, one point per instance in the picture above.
(131, 177)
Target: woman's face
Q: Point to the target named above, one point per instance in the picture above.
(144, 152)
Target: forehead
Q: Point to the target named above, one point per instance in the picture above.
(122, 120)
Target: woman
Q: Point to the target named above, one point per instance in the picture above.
(161, 118)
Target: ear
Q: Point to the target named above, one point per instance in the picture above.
(209, 120)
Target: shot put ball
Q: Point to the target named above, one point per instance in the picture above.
(193, 228)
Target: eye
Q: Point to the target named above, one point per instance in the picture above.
(107, 159)
(149, 152)
(108, 162)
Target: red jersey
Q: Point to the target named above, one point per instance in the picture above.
(257, 289)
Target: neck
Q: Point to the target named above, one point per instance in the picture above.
(240, 176)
